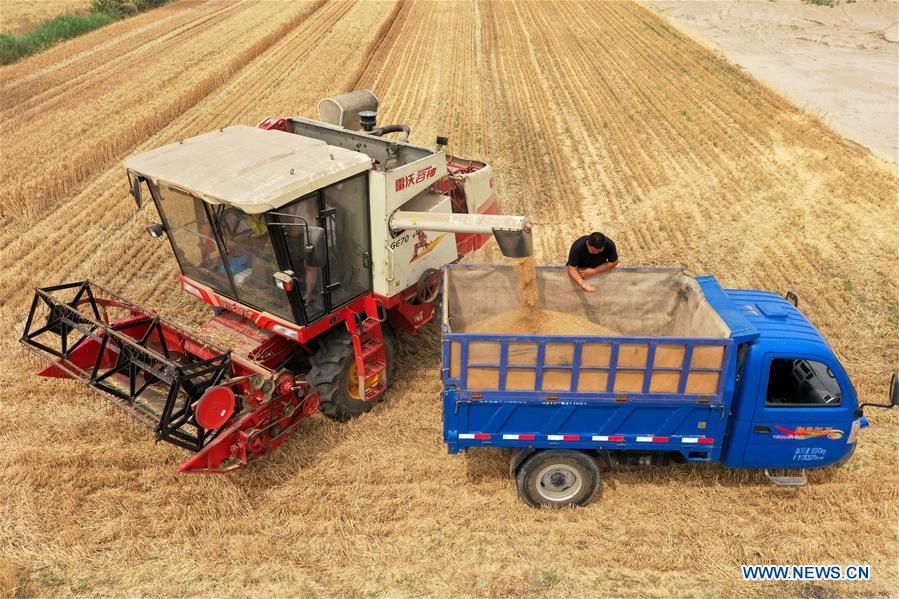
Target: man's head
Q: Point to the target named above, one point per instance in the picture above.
(596, 242)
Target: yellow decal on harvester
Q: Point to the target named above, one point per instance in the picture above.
(422, 245)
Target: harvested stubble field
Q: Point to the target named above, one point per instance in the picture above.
(596, 116)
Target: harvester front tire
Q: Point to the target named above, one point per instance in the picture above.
(558, 478)
(330, 373)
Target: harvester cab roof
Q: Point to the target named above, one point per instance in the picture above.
(255, 170)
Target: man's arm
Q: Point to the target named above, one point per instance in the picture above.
(586, 273)
(576, 277)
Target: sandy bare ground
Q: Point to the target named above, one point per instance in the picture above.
(840, 63)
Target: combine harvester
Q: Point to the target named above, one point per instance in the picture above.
(313, 241)
(697, 373)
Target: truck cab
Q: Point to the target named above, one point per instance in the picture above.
(794, 405)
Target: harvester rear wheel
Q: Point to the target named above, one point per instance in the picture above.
(331, 372)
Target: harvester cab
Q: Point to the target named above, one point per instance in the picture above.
(314, 241)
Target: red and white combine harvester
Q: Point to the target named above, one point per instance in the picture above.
(314, 241)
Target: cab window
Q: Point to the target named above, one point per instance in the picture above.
(192, 238)
(305, 240)
(797, 382)
(251, 259)
(346, 204)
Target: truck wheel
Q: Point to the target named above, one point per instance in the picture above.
(558, 478)
(333, 375)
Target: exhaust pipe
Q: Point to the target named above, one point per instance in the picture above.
(367, 120)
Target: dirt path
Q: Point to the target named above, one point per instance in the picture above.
(839, 63)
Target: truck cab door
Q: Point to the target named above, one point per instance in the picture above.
(803, 414)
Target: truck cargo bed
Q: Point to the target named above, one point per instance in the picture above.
(664, 380)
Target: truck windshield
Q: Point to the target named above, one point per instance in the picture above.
(246, 274)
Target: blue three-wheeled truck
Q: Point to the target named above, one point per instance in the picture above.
(696, 373)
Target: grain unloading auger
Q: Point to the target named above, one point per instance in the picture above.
(314, 241)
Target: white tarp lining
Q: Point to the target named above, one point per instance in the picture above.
(637, 302)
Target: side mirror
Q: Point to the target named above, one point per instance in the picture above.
(135, 188)
(156, 230)
(894, 397)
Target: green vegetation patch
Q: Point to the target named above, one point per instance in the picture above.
(63, 27)
(103, 12)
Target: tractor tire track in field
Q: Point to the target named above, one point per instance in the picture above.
(83, 147)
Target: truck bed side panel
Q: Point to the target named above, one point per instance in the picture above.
(587, 392)
(693, 429)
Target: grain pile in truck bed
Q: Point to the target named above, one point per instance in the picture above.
(521, 321)
(529, 319)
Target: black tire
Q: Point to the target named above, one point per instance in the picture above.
(429, 286)
(330, 372)
(391, 346)
(558, 478)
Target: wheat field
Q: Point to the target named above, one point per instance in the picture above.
(18, 16)
(596, 116)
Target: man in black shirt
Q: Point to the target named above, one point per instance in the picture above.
(589, 256)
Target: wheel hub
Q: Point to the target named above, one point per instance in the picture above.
(559, 482)
(352, 382)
